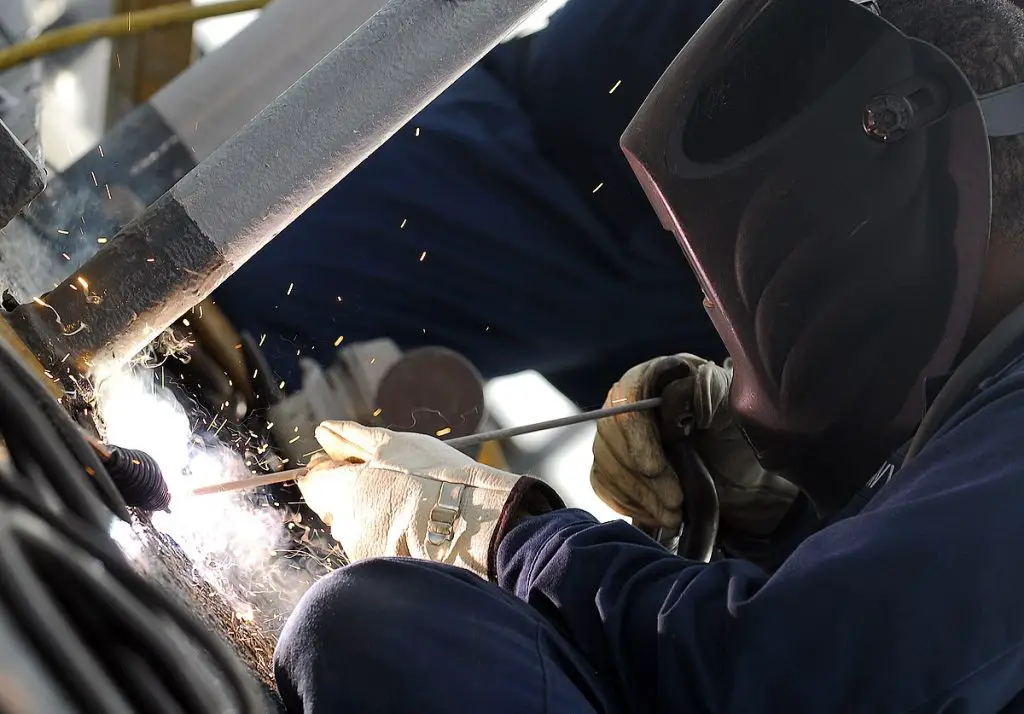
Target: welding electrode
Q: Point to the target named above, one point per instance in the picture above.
(137, 476)
(461, 443)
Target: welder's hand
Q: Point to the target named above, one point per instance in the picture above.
(385, 493)
(630, 471)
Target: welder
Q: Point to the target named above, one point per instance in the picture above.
(852, 200)
(502, 222)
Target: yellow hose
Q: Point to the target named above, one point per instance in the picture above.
(124, 24)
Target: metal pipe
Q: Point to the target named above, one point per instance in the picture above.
(262, 178)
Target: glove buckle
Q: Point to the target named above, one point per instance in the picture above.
(441, 526)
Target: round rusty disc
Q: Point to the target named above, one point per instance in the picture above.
(432, 390)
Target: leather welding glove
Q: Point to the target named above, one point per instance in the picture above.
(630, 471)
(386, 493)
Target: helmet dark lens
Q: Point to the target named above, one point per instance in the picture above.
(796, 53)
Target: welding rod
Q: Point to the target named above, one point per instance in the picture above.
(461, 443)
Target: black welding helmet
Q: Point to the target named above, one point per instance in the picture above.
(829, 180)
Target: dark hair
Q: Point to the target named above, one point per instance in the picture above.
(985, 38)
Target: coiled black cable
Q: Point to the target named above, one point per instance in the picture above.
(110, 640)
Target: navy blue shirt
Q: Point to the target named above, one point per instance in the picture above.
(915, 604)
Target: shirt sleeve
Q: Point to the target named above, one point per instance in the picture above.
(914, 605)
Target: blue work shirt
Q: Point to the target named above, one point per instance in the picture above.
(916, 604)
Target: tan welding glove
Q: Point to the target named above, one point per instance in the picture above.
(630, 472)
(386, 493)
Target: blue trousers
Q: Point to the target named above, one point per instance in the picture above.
(502, 222)
(399, 636)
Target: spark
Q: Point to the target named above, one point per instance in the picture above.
(617, 85)
(255, 373)
(63, 232)
(280, 386)
(101, 240)
(341, 338)
(292, 441)
(38, 301)
(83, 282)
(94, 181)
(423, 256)
(417, 131)
(100, 147)
(150, 260)
(117, 56)
(443, 432)
(598, 187)
(291, 286)
(405, 221)
(263, 338)
(378, 412)
(66, 256)
(107, 186)
(186, 323)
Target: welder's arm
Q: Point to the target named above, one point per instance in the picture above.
(911, 606)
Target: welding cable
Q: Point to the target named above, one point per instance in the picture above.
(124, 24)
(65, 559)
(66, 430)
(108, 638)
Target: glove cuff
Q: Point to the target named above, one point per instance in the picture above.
(529, 497)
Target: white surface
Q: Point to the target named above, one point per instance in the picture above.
(216, 96)
(216, 31)
(526, 398)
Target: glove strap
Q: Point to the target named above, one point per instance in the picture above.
(441, 526)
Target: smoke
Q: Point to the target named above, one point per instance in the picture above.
(235, 544)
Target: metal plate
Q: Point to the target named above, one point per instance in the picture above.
(430, 391)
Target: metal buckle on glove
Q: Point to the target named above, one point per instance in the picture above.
(441, 526)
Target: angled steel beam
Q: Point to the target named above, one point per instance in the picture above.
(256, 183)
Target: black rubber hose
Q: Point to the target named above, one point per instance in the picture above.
(138, 478)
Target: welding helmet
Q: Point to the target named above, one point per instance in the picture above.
(828, 179)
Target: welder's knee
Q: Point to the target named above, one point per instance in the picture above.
(397, 635)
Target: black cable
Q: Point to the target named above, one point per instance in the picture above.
(109, 639)
(66, 430)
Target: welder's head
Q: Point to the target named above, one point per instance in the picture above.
(829, 179)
